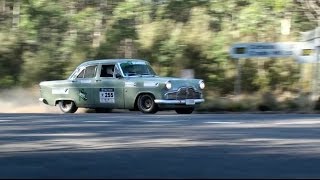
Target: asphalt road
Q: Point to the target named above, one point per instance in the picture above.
(165, 145)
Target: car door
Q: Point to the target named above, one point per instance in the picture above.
(82, 86)
(108, 90)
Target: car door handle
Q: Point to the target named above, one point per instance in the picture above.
(98, 80)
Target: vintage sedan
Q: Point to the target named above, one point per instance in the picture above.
(122, 84)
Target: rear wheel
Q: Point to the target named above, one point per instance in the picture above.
(146, 104)
(67, 106)
(184, 110)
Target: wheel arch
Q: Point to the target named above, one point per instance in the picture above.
(140, 94)
(64, 99)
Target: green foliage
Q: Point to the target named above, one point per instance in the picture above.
(249, 73)
(10, 59)
(54, 36)
(41, 65)
(269, 102)
(282, 75)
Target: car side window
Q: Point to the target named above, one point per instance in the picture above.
(81, 74)
(107, 71)
(88, 72)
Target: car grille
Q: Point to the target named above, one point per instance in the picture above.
(184, 93)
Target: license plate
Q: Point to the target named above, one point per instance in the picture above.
(190, 102)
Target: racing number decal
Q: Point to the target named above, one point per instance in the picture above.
(106, 95)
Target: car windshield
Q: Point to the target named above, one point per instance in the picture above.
(136, 69)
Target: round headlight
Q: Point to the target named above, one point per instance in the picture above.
(168, 85)
(202, 85)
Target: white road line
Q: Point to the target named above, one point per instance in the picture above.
(300, 122)
(100, 121)
(6, 120)
(221, 122)
(159, 121)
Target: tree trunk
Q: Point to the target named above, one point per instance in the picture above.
(2, 6)
(16, 14)
(97, 37)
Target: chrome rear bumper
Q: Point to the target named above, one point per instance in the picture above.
(43, 100)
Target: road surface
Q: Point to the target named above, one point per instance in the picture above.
(164, 145)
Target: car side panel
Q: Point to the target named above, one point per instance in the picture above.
(108, 93)
(133, 89)
(81, 92)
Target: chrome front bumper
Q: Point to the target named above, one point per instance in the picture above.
(182, 101)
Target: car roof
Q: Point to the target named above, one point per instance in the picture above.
(101, 61)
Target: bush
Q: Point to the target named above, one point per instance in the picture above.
(7, 82)
(317, 105)
(233, 104)
(269, 102)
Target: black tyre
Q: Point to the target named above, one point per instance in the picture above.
(68, 106)
(103, 110)
(184, 110)
(146, 104)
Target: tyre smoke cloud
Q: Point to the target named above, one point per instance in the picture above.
(24, 100)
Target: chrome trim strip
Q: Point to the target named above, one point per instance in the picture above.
(183, 101)
(174, 94)
(187, 87)
(119, 67)
(176, 91)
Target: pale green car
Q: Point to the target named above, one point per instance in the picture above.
(122, 84)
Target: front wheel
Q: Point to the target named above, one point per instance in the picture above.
(68, 106)
(146, 104)
(184, 110)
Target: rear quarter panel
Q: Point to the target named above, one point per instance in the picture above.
(53, 91)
